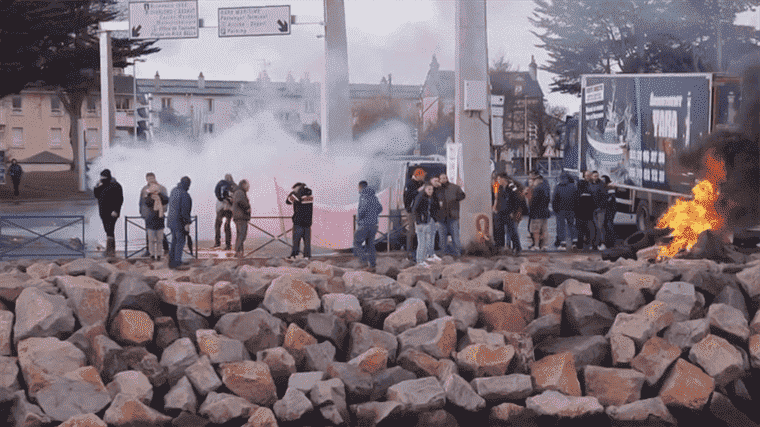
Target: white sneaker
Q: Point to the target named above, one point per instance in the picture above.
(423, 264)
(434, 258)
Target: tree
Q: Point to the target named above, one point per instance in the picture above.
(54, 44)
(639, 36)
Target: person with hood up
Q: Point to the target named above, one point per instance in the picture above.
(366, 225)
(179, 219)
(564, 203)
(110, 198)
(147, 212)
(155, 200)
(303, 209)
(223, 191)
(539, 213)
(241, 214)
(15, 173)
(425, 209)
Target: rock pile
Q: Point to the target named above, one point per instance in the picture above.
(532, 341)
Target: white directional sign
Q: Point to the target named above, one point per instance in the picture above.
(163, 20)
(254, 21)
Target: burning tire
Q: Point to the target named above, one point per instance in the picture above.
(643, 217)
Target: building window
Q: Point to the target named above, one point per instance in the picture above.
(123, 104)
(208, 128)
(92, 138)
(210, 102)
(308, 106)
(166, 103)
(55, 105)
(2, 136)
(16, 104)
(92, 106)
(18, 137)
(55, 137)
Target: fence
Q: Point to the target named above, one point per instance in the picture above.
(132, 220)
(392, 229)
(273, 238)
(38, 241)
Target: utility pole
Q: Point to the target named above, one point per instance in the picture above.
(472, 98)
(336, 96)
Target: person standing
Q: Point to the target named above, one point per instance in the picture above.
(303, 209)
(412, 188)
(584, 213)
(367, 214)
(449, 196)
(223, 192)
(15, 173)
(564, 203)
(155, 201)
(507, 204)
(146, 212)
(539, 213)
(110, 198)
(241, 214)
(610, 208)
(599, 194)
(425, 210)
(179, 219)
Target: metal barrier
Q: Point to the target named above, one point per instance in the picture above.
(13, 245)
(273, 237)
(130, 220)
(390, 230)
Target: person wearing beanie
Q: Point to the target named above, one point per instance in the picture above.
(412, 188)
(303, 209)
(179, 220)
(241, 214)
(223, 191)
(110, 198)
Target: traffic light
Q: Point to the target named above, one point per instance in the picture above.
(532, 132)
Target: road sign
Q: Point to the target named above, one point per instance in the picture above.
(254, 21)
(163, 20)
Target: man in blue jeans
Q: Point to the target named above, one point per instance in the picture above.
(303, 211)
(366, 225)
(564, 203)
(449, 196)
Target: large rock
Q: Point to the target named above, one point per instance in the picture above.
(305, 381)
(522, 292)
(75, 393)
(363, 338)
(290, 298)
(654, 359)
(750, 281)
(364, 285)
(181, 397)
(292, 406)
(728, 320)
(281, 363)
(418, 395)
(461, 394)
(622, 297)
(222, 408)
(186, 294)
(613, 386)
(296, 340)
(139, 359)
(88, 296)
(687, 386)
(9, 384)
(485, 360)
(86, 420)
(681, 296)
(437, 338)
(225, 298)
(641, 412)
(623, 350)
(133, 292)
(25, 414)
(587, 316)
(133, 383)
(43, 360)
(201, 374)
(686, 334)
(372, 361)
(257, 329)
(6, 328)
(556, 372)
(422, 364)
(345, 306)
(719, 359)
(327, 326)
(178, 357)
(635, 326)
(591, 350)
(11, 286)
(39, 314)
(462, 270)
(319, 356)
(464, 312)
(132, 327)
(505, 387)
(373, 413)
(251, 381)
(408, 314)
(553, 403)
(358, 382)
(127, 410)
(502, 316)
(551, 301)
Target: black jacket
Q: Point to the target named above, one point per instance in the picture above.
(507, 201)
(369, 208)
(539, 203)
(411, 191)
(585, 208)
(599, 194)
(425, 208)
(303, 206)
(110, 197)
(224, 190)
(180, 206)
(449, 195)
(565, 195)
(15, 171)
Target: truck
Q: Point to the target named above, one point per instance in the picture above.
(633, 128)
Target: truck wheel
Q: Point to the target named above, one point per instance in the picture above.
(643, 218)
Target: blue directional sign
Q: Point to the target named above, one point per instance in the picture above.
(254, 21)
(163, 20)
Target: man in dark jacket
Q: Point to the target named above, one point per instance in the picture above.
(564, 203)
(241, 214)
(15, 173)
(180, 206)
(584, 212)
(303, 209)
(110, 198)
(366, 225)
(610, 208)
(507, 203)
(223, 191)
(539, 212)
(599, 194)
(449, 196)
(412, 188)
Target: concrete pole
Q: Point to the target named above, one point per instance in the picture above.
(471, 59)
(107, 109)
(81, 155)
(336, 97)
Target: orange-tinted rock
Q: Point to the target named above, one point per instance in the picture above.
(372, 361)
(291, 297)
(687, 386)
(556, 372)
(251, 381)
(502, 316)
(295, 341)
(85, 420)
(522, 291)
(613, 386)
(185, 294)
(551, 301)
(421, 364)
(623, 349)
(225, 298)
(132, 327)
(654, 359)
(486, 360)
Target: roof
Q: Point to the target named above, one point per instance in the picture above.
(504, 82)
(46, 157)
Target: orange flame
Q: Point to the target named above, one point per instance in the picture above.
(495, 186)
(689, 218)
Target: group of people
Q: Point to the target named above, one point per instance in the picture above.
(432, 208)
(584, 211)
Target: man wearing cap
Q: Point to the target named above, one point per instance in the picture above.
(412, 188)
(110, 198)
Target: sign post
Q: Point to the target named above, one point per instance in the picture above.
(163, 20)
(254, 21)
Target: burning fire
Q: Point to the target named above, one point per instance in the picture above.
(689, 218)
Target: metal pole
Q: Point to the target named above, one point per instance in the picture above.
(81, 155)
(134, 101)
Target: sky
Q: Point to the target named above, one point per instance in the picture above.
(397, 37)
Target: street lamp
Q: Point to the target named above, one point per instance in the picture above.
(134, 98)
